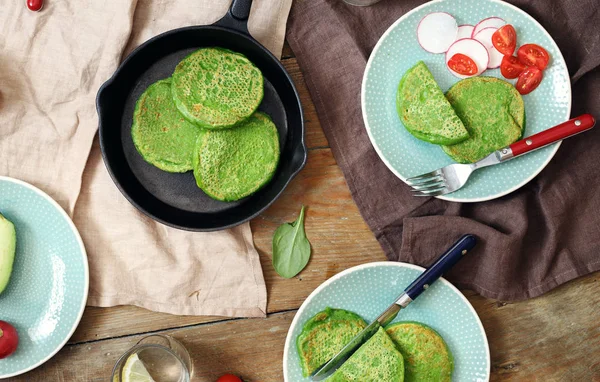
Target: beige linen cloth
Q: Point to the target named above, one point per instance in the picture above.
(51, 66)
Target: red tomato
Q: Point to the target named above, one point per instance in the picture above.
(9, 339)
(35, 5)
(529, 80)
(463, 64)
(533, 55)
(505, 40)
(229, 378)
(511, 67)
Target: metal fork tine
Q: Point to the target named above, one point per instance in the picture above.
(439, 191)
(422, 177)
(432, 184)
(430, 187)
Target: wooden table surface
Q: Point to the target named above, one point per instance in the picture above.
(555, 337)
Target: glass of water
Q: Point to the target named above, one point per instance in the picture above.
(160, 357)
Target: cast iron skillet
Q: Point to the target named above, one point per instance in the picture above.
(174, 199)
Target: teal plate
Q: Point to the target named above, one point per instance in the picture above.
(369, 289)
(48, 288)
(398, 50)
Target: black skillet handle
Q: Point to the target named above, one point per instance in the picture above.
(237, 16)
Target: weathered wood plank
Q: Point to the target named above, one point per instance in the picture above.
(252, 348)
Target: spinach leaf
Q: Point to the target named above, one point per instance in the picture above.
(291, 249)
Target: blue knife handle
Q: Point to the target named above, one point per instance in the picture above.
(443, 264)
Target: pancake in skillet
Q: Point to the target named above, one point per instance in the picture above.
(160, 134)
(233, 163)
(376, 361)
(324, 335)
(424, 111)
(493, 112)
(426, 355)
(216, 88)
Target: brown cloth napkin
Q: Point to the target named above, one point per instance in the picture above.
(51, 66)
(532, 240)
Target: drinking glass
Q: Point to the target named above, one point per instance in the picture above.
(165, 359)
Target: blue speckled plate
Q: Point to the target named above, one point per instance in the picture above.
(370, 288)
(48, 288)
(398, 50)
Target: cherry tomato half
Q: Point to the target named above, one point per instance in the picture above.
(229, 378)
(463, 64)
(529, 80)
(9, 339)
(505, 40)
(511, 67)
(533, 55)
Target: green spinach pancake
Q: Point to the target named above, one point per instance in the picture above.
(377, 360)
(216, 88)
(160, 134)
(233, 163)
(324, 335)
(424, 111)
(426, 355)
(493, 112)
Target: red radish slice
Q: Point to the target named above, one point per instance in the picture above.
(485, 37)
(490, 22)
(437, 31)
(465, 31)
(471, 48)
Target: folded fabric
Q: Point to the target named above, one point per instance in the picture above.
(52, 64)
(532, 240)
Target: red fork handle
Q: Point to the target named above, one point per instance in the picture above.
(564, 130)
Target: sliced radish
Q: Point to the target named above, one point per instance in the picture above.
(485, 37)
(490, 22)
(472, 48)
(437, 31)
(465, 31)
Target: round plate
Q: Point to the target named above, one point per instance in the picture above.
(48, 288)
(370, 288)
(398, 50)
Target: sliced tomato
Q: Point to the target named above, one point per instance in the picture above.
(463, 64)
(505, 40)
(511, 67)
(533, 55)
(529, 80)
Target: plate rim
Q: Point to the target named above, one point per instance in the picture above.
(75, 231)
(393, 264)
(500, 194)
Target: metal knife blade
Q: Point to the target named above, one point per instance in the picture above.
(385, 318)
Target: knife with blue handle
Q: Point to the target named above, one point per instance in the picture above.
(431, 274)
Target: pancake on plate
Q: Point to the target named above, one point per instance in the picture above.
(160, 133)
(376, 360)
(234, 163)
(426, 355)
(324, 335)
(424, 111)
(216, 88)
(493, 112)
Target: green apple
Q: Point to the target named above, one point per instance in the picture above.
(8, 243)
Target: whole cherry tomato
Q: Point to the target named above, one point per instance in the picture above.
(9, 339)
(229, 378)
(35, 5)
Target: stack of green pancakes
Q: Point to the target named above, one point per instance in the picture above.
(476, 117)
(204, 118)
(404, 351)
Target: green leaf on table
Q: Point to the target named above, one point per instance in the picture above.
(291, 249)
